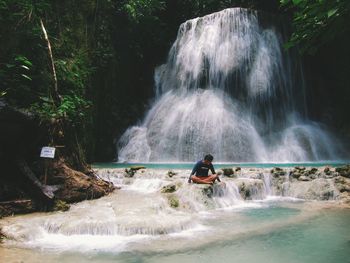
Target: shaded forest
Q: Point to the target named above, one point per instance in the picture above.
(99, 79)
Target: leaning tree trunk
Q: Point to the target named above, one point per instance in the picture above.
(55, 95)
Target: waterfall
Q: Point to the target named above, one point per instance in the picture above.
(230, 89)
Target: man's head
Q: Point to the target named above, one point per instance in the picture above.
(208, 158)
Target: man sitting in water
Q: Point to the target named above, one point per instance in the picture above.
(200, 171)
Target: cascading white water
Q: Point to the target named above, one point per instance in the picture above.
(230, 89)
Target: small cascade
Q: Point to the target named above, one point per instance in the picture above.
(267, 184)
(153, 206)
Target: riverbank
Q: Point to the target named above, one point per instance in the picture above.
(67, 185)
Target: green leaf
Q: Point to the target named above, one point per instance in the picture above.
(332, 12)
(297, 2)
(26, 77)
(25, 67)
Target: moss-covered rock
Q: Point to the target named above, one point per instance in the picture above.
(207, 190)
(173, 201)
(168, 189)
(61, 206)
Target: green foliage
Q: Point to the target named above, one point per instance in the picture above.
(16, 79)
(139, 9)
(72, 109)
(317, 22)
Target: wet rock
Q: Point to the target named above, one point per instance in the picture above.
(300, 168)
(16, 207)
(327, 171)
(313, 170)
(304, 178)
(173, 201)
(238, 169)
(339, 179)
(136, 168)
(342, 184)
(251, 189)
(295, 174)
(277, 171)
(171, 173)
(244, 191)
(168, 189)
(343, 188)
(61, 206)
(344, 171)
(205, 189)
(318, 189)
(130, 172)
(228, 172)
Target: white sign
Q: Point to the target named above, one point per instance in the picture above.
(48, 152)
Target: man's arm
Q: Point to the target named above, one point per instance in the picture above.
(194, 170)
(213, 172)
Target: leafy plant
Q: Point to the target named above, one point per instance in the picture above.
(317, 22)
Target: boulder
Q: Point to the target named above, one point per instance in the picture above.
(228, 172)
